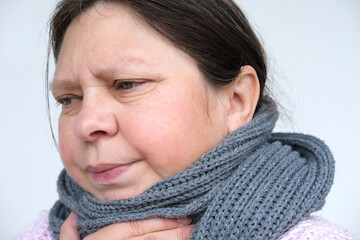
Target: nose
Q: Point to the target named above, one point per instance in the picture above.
(95, 120)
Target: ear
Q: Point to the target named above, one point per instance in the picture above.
(243, 98)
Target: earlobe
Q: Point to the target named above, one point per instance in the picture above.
(243, 96)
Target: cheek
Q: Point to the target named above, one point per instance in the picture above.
(66, 142)
(168, 133)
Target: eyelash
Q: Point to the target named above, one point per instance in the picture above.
(64, 100)
(119, 85)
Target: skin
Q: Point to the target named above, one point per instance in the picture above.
(130, 98)
(157, 228)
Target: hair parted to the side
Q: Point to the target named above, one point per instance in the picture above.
(215, 33)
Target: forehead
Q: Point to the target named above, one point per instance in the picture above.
(106, 26)
(110, 37)
(108, 34)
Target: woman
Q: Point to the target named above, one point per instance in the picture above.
(164, 114)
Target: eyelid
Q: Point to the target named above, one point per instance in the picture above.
(127, 95)
(60, 99)
(138, 82)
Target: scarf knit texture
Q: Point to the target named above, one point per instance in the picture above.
(255, 184)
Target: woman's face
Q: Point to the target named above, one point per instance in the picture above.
(135, 109)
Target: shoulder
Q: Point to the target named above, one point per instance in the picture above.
(37, 230)
(316, 228)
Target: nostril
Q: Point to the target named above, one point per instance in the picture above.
(92, 124)
(97, 133)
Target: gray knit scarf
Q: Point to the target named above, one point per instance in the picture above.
(254, 185)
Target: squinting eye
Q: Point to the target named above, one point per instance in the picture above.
(126, 85)
(67, 101)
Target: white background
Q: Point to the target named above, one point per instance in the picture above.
(314, 52)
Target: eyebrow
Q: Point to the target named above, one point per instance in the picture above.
(104, 72)
(107, 71)
(62, 84)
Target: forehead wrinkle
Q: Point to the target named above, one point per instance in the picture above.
(104, 72)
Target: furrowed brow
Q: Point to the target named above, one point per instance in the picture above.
(62, 85)
(106, 71)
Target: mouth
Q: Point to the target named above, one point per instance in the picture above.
(106, 173)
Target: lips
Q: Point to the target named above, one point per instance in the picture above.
(107, 173)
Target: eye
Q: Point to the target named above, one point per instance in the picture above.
(127, 85)
(66, 101)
